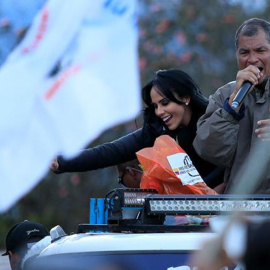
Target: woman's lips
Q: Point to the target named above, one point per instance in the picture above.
(167, 119)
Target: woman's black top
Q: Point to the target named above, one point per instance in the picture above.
(124, 149)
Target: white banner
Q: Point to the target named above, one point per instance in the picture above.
(74, 75)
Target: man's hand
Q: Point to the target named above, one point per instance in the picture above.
(263, 130)
(54, 166)
(251, 74)
(211, 256)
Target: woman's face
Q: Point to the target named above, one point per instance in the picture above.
(173, 115)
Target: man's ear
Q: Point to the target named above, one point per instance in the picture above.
(14, 259)
(10, 254)
(130, 171)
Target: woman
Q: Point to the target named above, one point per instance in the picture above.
(174, 104)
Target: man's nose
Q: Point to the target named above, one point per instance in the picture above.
(252, 58)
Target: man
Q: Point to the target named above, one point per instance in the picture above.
(129, 174)
(19, 240)
(226, 136)
(242, 240)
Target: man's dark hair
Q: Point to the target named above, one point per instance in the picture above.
(251, 27)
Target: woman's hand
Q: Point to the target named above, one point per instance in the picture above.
(54, 165)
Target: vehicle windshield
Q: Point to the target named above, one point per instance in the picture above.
(119, 261)
(164, 260)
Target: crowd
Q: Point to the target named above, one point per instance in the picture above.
(218, 139)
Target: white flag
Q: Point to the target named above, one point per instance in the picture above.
(74, 74)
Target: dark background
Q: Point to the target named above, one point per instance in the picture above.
(193, 35)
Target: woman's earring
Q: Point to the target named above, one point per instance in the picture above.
(186, 103)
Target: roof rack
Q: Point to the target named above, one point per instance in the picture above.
(142, 210)
(139, 228)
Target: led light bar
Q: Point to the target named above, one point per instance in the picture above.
(136, 197)
(207, 204)
(131, 196)
(126, 204)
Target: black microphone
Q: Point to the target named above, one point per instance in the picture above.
(243, 91)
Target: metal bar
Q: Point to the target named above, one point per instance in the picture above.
(82, 228)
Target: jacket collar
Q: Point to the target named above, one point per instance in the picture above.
(261, 98)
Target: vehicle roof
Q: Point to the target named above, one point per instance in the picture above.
(103, 242)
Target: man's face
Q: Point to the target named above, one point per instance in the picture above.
(132, 178)
(254, 50)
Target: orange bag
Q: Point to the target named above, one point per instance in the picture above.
(168, 169)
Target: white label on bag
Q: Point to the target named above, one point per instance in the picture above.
(183, 168)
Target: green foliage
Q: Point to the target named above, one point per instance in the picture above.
(196, 36)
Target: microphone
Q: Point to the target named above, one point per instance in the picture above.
(243, 91)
